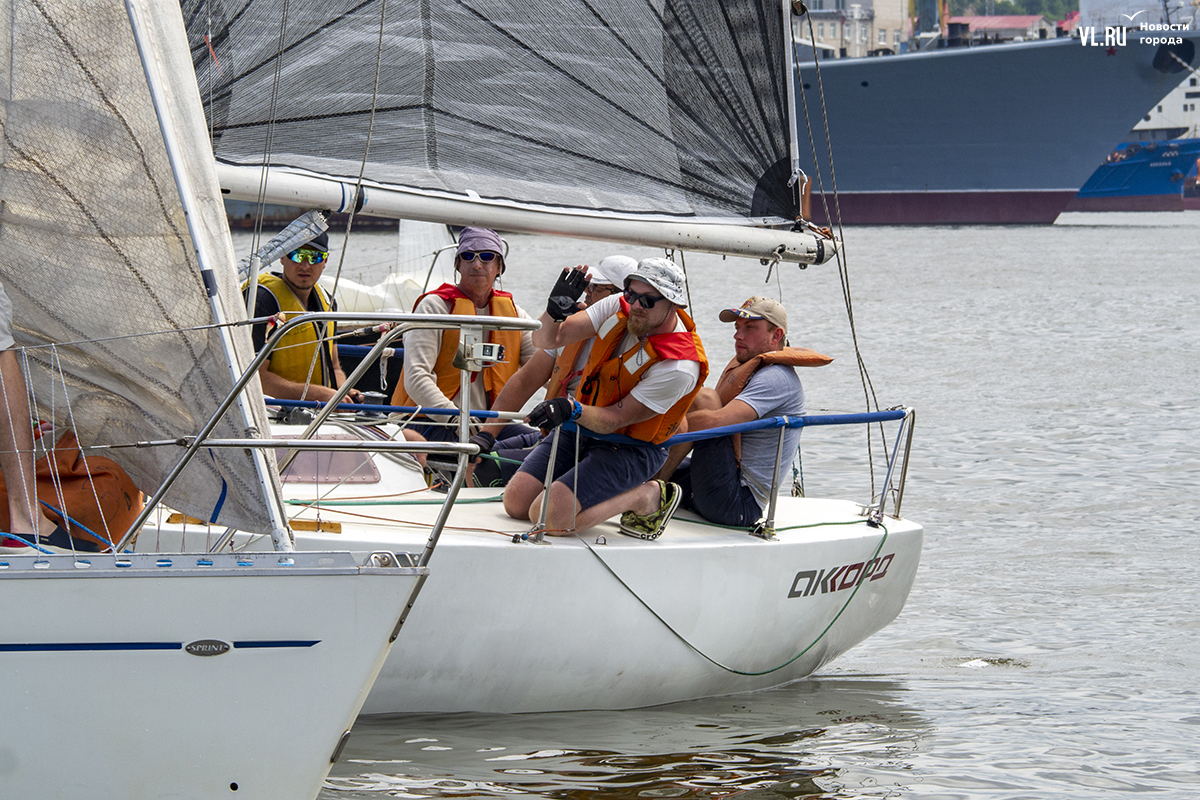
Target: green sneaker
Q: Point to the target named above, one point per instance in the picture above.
(651, 526)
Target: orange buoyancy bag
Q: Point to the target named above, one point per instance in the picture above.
(96, 492)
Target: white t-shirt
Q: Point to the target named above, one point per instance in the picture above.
(663, 384)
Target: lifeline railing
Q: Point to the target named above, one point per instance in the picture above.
(893, 484)
(765, 528)
(470, 332)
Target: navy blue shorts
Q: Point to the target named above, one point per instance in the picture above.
(712, 487)
(449, 433)
(605, 469)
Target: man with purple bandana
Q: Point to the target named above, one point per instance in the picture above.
(429, 378)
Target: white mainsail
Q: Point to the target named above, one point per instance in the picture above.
(96, 253)
(661, 123)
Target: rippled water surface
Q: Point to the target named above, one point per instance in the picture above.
(1050, 645)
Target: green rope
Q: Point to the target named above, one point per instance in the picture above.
(501, 459)
(716, 663)
(433, 502)
(744, 529)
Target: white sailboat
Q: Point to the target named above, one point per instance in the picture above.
(668, 125)
(155, 674)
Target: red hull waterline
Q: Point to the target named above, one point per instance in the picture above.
(1142, 202)
(946, 208)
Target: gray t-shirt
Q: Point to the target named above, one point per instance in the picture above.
(773, 391)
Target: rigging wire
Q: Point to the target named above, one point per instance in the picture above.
(269, 141)
(840, 255)
(749, 673)
(323, 331)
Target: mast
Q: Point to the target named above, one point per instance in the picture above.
(789, 59)
(142, 19)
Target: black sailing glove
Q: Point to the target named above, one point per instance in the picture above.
(485, 441)
(565, 294)
(552, 413)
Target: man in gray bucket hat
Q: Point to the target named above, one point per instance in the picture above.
(645, 366)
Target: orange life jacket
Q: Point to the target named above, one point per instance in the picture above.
(735, 376)
(564, 370)
(447, 376)
(608, 377)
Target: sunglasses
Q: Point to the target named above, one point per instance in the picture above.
(643, 300)
(486, 256)
(311, 256)
(593, 287)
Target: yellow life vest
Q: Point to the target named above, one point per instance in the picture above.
(293, 356)
(447, 376)
(608, 377)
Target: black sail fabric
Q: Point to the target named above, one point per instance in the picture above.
(673, 109)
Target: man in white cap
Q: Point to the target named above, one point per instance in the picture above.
(558, 370)
(645, 367)
(728, 480)
(429, 378)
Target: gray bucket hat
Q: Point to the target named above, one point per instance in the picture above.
(663, 274)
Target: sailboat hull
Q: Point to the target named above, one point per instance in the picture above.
(626, 623)
(603, 620)
(1000, 134)
(187, 676)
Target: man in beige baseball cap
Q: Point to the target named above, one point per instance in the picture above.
(728, 480)
(759, 307)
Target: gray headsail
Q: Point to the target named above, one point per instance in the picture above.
(96, 254)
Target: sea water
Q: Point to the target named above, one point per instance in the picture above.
(1051, 644)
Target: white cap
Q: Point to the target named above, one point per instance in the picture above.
(612, 270)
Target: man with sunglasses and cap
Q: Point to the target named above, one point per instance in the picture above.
(429, 378)
(304, 365)
(559, 371)
(729, 478)
(645, 366)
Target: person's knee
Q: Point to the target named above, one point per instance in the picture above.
(413, 436)
(563, 508)
(519, 494)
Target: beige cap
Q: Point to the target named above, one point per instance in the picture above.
(758, 307)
